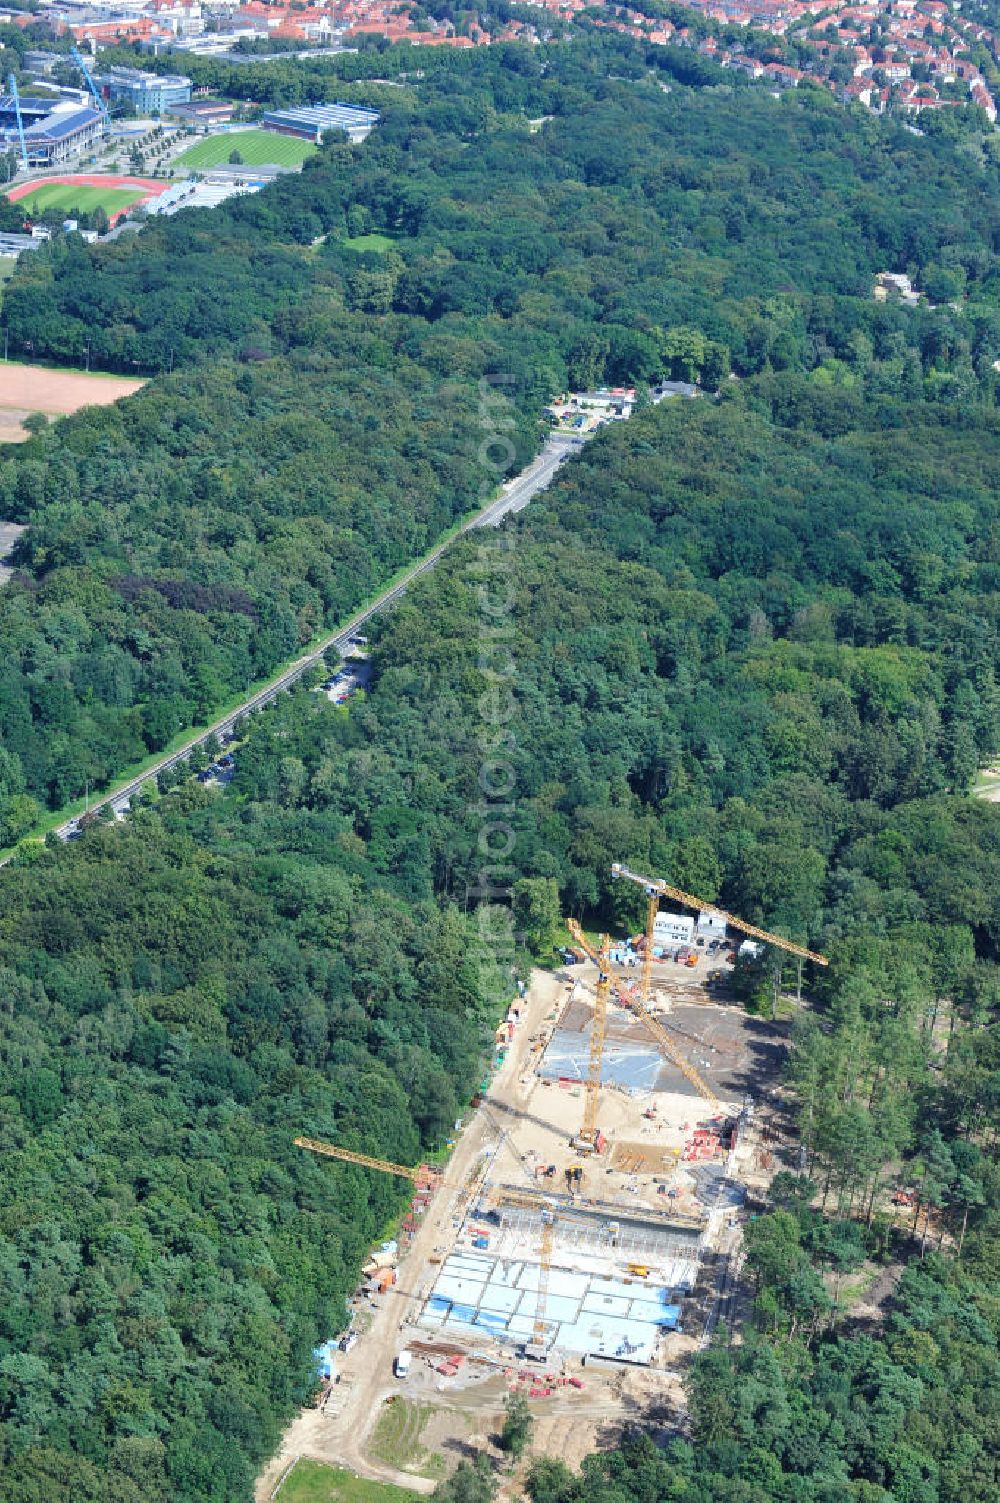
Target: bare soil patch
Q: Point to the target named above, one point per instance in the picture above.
(25, 389)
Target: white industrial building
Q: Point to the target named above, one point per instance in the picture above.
(673, 929)
(309, 123)
(711, 926)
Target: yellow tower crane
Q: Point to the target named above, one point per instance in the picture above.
(537, 1347)
(588, 1133)
(384, 1166)
(661, 1035)
(656, 889)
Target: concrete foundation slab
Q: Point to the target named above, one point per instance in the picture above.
(631, 1067)
(598, 1312)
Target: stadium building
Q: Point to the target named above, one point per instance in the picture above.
(32, 110)
(53, 132)
(63, 134)
(310, 122)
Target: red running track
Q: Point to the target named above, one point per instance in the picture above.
(152, 187)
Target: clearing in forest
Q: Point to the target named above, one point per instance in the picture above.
(374, 241)
(987, 784)
(25, 389)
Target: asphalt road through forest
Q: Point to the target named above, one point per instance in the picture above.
(513, 498)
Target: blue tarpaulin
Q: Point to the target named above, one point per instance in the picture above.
(325, 1358)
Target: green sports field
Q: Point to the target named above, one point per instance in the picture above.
(69, 196)
(255, 147)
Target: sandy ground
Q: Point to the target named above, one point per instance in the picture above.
(525, 1122)
(12, 430)
(734, 1052)
(25, 389)
(338, 1434)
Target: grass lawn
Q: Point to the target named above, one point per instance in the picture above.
(987, 784)
(372, 242)
(857, 1286)
(315, 1482)
(69, 196)
(255, 147)
(396, 1439)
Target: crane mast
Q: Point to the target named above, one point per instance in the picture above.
(78, 58)
(545, 1251)
(661, 1035)
(646, 986)
(597, 1033)
(544, 1270)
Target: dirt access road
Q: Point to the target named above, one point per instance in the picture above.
(339, 1435)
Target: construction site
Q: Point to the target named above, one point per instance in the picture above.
(583, 1240)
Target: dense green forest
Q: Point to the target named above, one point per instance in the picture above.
(314, 423)
(174, 1006)
(185, 989)
(186, 542)
(749, 640)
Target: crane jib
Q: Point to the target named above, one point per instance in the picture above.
(656, 888)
